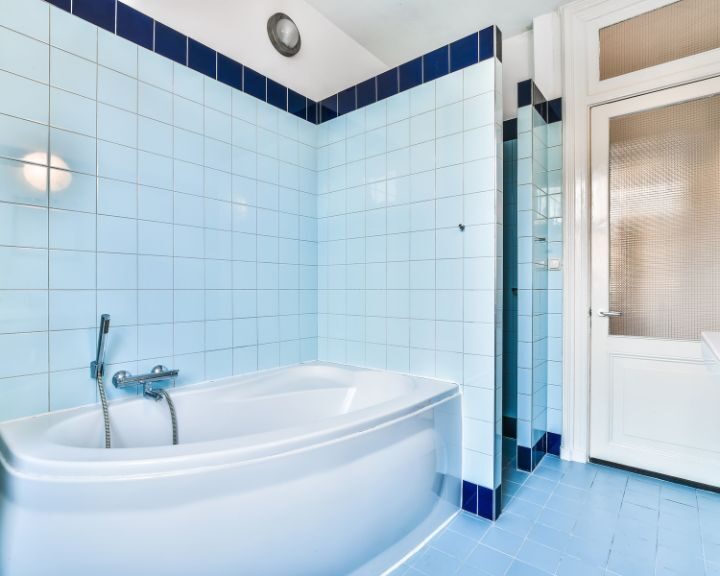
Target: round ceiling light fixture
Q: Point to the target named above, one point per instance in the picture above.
(284, 34)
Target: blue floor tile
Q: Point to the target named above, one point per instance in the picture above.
(571, 519)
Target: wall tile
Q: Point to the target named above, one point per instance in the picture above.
(24, 56)
(72, 73)
(23, 98)
(30, 18)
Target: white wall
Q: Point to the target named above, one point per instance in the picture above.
(238, 30)
(517, 66)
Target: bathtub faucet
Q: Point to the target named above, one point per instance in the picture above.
(159, 373)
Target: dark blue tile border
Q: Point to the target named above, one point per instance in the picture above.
(329, 108)
(230, 72)
(524, 93)
(464, 52)
(313, 112)
(64, 4)
(366, 93)
(202, 58)
(554, 441)
(170, 43)
(139, 28)
(98, 12)
(387, 84)
(436, 64)
(554, 110)
(487, 43)
(509, 424)
(481, 501)
(410, 74)
(254, 83)
(276, 94)
(297, 104)
(469, 497)
(524, 458)
(135, 26)
(346, 101)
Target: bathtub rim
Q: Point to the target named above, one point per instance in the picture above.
(56, 462)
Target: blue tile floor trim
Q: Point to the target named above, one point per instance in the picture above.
(571, 519)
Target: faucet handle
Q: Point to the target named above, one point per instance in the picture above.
(159, 369)
(120, 377)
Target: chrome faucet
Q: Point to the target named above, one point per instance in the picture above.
(123, 379)
(159, 373)
(97, 366)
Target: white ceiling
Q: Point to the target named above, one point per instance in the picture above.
(399, 30)
(344, 41)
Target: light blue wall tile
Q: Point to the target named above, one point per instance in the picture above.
(188, 83)
(218, 96)
(116, 234)
(71, 388)
(71, 151)
(23, 311)
(23, 183)
(72, 230)
(117, 53)
(72, 191)
(72, 309)
(71, 349)
(24, 56)
(154, 136)
(23, 226)
(154, 69)
(116, 198)
(121, 91)
(155, 307)
(71, 270)
(155, 238)
(23, 396)
(116, 162)
(31, 17)
(155, 103)
(116, 271)
(23, 98)
(72, 73)
(116, 125)
(23, 140)
(188, 115)
(73, 34)
(155, 204)
(23, 354)
(23, 268)
(72, 112)
(155, 272)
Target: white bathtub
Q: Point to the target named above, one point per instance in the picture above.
(315, 470)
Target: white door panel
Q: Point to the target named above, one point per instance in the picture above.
(654, 404)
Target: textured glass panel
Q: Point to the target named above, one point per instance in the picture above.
(665, 221)
(674, 31)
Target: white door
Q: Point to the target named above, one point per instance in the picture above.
(656, 281)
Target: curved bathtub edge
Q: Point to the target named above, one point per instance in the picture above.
(321, 438)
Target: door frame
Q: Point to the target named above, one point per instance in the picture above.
(582, 90)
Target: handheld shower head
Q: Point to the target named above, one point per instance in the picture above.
(98, 365)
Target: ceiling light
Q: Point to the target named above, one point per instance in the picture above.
(284, 34)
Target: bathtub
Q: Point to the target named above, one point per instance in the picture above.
(316, 469)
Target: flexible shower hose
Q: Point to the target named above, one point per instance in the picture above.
(173, 415)
(105, 411)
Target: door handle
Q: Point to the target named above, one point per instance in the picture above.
(609, 314)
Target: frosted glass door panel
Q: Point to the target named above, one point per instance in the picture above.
(664, 194)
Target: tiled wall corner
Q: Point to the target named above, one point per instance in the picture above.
(139, 187)
(400, 285)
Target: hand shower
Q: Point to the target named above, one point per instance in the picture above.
(97, 370)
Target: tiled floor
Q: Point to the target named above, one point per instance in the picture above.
(572, 519)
